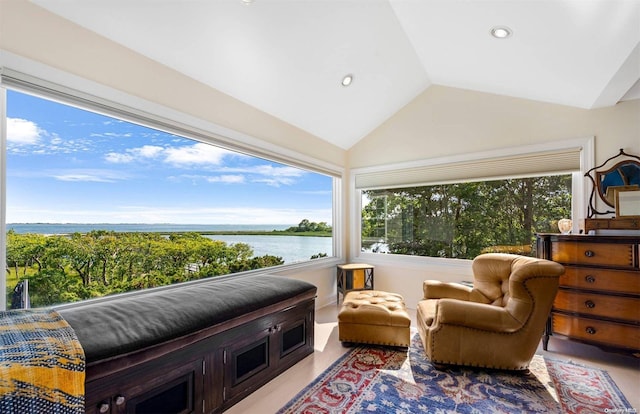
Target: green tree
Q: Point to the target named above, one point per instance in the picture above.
(309, 226)
(462, 220)
(65, 268)
(24, 251)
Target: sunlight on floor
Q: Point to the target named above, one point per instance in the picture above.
(322, 334)
(404, 373)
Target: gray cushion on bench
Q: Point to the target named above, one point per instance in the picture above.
(134, 321)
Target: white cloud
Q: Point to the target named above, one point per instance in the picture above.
(110, 134)
(23, 132)
(275, 181)
(89, 175)
(274, 176)
(113, 121)
(186, 156)
(224, 178)
(56, 140)
(270, 170)
(265, 174)
(227, 179)
(134, 154)
(149, 151)
(197, 154)
(26, 137)
(118, 158)
(81, 177)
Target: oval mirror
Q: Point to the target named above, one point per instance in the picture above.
(624, 175)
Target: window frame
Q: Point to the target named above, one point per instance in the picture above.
(579, 199)
(87, 95)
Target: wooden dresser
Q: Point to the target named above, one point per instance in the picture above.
(598, 301)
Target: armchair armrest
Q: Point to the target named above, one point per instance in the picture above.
(435, 289)
(476, 315)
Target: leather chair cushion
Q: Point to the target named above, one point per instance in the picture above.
(374, 308)
(374, 317)
(426, 311)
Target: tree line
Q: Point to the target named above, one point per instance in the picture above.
(68, 268)
(310, 226)
(466, 219)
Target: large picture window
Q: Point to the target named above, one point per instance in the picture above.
(463, 205)
(463, 220)
(96, 205)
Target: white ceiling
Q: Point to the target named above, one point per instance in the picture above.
(288, 57)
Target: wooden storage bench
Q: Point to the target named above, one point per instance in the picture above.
(196, 347)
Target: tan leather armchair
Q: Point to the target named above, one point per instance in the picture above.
(497, 323)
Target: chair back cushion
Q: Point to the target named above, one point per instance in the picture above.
(491, 279)
(504, 279)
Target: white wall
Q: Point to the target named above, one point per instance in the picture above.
(439, 122)
(36, 35)
(446, 121)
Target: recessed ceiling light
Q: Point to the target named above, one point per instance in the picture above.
(248, 1)
(501, 32)
(346, 81)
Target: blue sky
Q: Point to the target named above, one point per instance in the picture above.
(66, 165)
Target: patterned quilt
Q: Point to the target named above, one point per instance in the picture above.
(42, 364)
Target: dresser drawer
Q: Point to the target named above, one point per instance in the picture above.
(598, 254)
(608, 333)
(601, 279)
(598, 305)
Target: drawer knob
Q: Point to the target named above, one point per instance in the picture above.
(590, 304)
(103, 407)
(590, 279)
(591, 330)
(589, 253)
(120, 400)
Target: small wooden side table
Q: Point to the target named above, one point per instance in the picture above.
(354, 276)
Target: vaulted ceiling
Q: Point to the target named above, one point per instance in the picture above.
(288, 57)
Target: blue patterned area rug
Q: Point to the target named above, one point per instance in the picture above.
(382, 380)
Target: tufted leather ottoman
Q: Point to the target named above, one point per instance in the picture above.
(374, 317)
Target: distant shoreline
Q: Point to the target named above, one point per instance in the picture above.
(260, 233)
(167, 229)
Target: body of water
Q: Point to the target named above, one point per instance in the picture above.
(292, 249)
